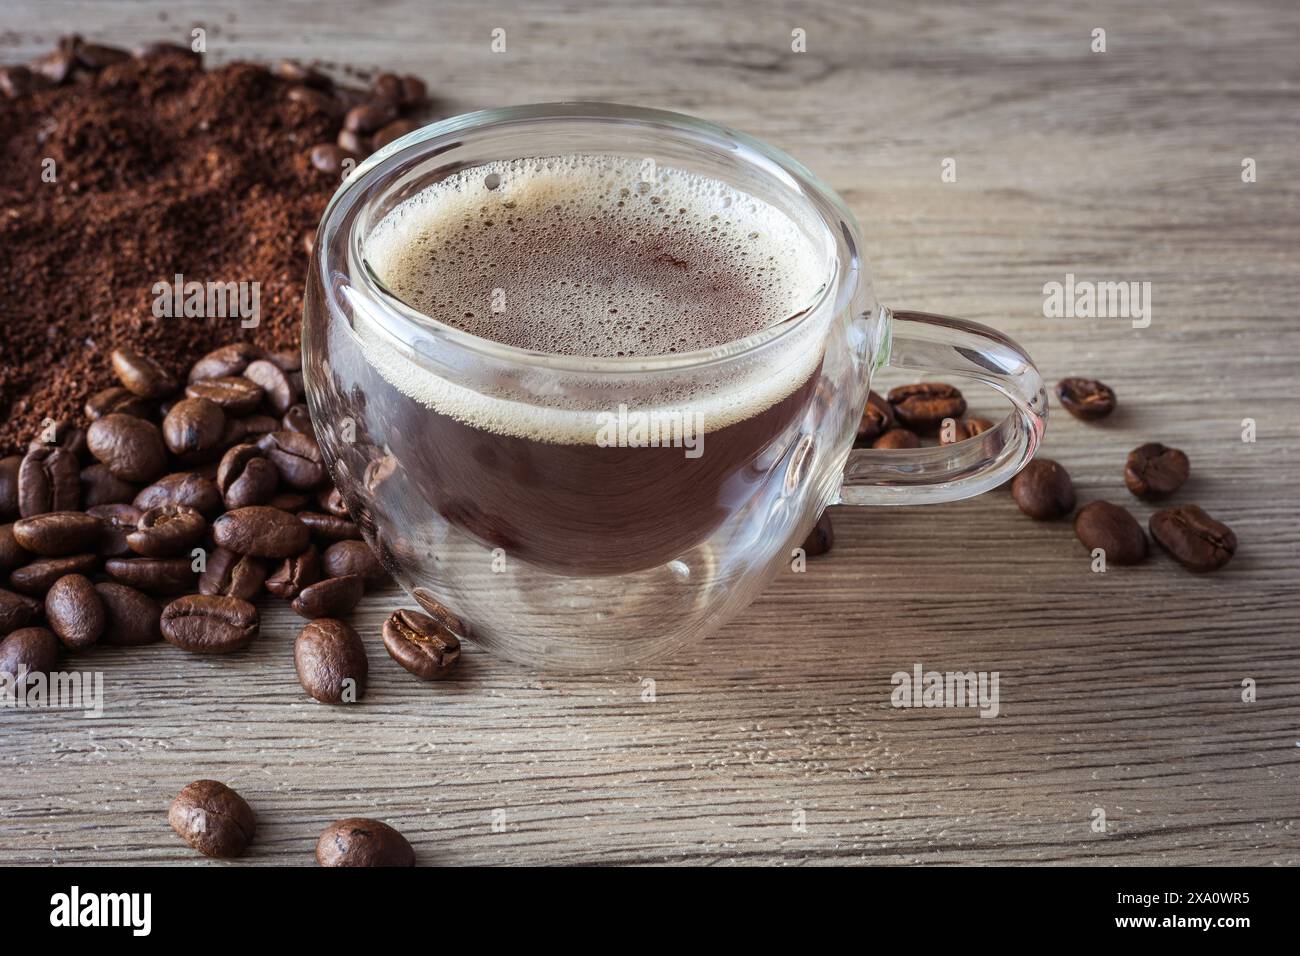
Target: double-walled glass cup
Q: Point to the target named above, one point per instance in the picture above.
(580, 542)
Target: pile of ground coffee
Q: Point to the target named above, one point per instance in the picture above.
(122, 171)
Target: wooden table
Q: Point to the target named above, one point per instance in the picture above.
(1120, 692)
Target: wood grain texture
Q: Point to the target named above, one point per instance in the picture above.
(1119, 691)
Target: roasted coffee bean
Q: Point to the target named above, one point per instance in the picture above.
(12, 554)
(153, 575)
(296, 72)
(820, 538)
(209, 623)
(332, 597)
(962, 429)
(414, 92)
(141, 375)
(877, 418)
(327, 529)
(293, 501)
(96, 56)
(353, 557)
(132, 616)
(99, 486)
(232, 575)
(274, 382)
(330, 158)
(116, 521)
(286, 360)
(167, 531)
(1085, 398)
(423, 645)
(387, 86)
(9, 467)
(152, 50)
(255, 426)
(896, 438)
(298, 419)
(118, 401)
(391, 132)
(923, 407)
(36, 578)
(297, 457)
(131, 447)
(378, 471)
(1192, 538)
(213, 819)
(49, 479)
(246, 477)
(27, 652)
(1043, 490)
(1154, 471)
(75, 611)
(16, 610)
(317, 101)
(65, 436)
(194, 428)
(331, 661)
(330, 501)
(234, 394)
(1111, 528)
(227, 361)
(358, 841)
(58, 533)
(353, 144)
(367, 118)
(261, 531)
(296, 573)
(189, 488)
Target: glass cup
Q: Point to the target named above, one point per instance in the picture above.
(601, 549)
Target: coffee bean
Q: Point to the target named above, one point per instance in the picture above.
(9, 467)
(166, 531)
(1111, 528)
(36, 578)
(189, 488)
(132, 616)
(56, 66)
(99, 486)
(49, 479)
(367, 118)
(330, 501)
(423, 645)
(16, 610)
(261, 531)
(1043, 490)
(896, 438)
(118, 401)
(12, 554)
(286, 360)
(153, 575)
(27, 652)
(75, 611)
(194, 428)
(962, 429)
(58, 533)
(209, 623)
(65, 436)
(131, 447)
(877, 418)
(327, 529)
(329, 158)
(1192, 538)
(361, 842)
(1085, 398)
(331, 661)
(141, 375)
(414, 92)
(245, 477)
(298, 419)
(387, 86)
(274, 382)
(293, 501)
(354, 557)
(156, 49)
(226, 362)
(1154, 471)
(296, 573)
(16, 81)
(332, 597)
(353, 144)
(227, 574)
(391, 132)
(213, 819)
(96, 56)
(924, 406)
(234, 394)
(296, 72)
(116, 522)
(297, 457)
(820, 538)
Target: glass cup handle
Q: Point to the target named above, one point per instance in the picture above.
(951, 348)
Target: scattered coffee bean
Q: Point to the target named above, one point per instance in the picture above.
(421, 644)
(877, 418)
(280, 393)
(12, 554)
(354, 557)
(36, 578)
(1085, 398)
(99, 486)
(226, 362)
(27, 652)
(368, 118)
(209, 623)
(9, 467)
(1043, 490)
(820, 538)
(65, 436)
(352, 143)
(96, 56)
(296, 72)
(895, 438)
(213, 819)
(188, 488)
(330, 501)
(132, 617)
(297, 457)
(296, 573)
(329, 158)
(16, 610)
(234, 394)
(293, 501)
(298, 419)
(962, 429)
(361, 842)
(75, 611)
(153, 575)
(194, 428)
(393, 131)
(261, 531)
(49, 479)
(58, 533)
(1154, 471)
(116, 521)
(117, 401)
(1111, 528)
(228, 574)
(167, 531)
(331, 661)
(329, 598)
(131, 447)
(141, 375)
(923, 407)
(1192, 538)
(327, 529)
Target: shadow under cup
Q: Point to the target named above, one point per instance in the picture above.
(601, 548)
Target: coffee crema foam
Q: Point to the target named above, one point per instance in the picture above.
(577, 256)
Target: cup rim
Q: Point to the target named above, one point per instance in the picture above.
(769, 161)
